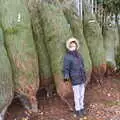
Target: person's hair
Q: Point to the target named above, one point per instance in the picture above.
(74, 42)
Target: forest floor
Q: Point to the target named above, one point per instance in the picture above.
(102, 103)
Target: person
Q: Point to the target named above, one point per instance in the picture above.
(74, 70)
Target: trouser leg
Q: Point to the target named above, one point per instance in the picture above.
(76, 92)
(82, 93)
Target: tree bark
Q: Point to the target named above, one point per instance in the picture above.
(56, 32)
(118, 26)
(21, 49)
(6, 81)
(110, 38)
(44, 60)
(93, 36)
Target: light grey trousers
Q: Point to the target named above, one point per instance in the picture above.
(79, 91)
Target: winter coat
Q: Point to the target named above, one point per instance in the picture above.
(74, 68)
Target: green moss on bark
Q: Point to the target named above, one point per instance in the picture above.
(109, 35)
(44, 60)
(94, 38)
(20, 45)
(6, 81)
(56, 32)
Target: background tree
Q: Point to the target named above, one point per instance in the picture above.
(112, 7)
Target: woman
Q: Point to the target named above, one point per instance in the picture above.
(74, 71)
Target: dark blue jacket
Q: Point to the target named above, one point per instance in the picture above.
(74, 68)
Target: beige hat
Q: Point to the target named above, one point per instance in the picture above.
(72, 40)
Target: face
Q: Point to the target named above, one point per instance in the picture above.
(73, 46)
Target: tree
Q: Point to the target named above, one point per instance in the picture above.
(6, 81)
(16, 24)
(112, 7)
(93, 36)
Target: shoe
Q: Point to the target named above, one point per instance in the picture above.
(76, 114)
(83, 111)
(79, 113)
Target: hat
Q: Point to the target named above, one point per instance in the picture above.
(72, 40)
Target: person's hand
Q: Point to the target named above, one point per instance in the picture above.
(67, 83)
(66, 79)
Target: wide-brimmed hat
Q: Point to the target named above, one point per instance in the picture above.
(68, 42)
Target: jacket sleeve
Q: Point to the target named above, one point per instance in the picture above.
(66, 67)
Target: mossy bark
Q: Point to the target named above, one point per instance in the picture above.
(6, 81)
(21, 49)
(56, 32)
(117, 47)
(77, 29)
(111, 44)
(109, 35)
(94, 38)
(44, 60)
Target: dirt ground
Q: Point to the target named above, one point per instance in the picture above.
(101, 103)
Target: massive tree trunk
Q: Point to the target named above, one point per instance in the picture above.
(117, 24)
(93, 36)
(110, 39)
(118, 47)
(77, 29)
(56, 32)
(6, 82)
(21, 49)
(44, 60)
